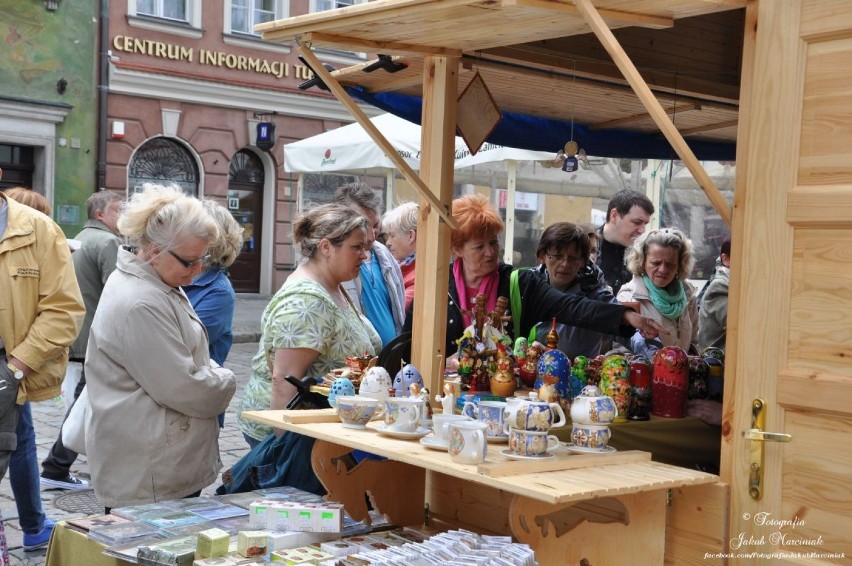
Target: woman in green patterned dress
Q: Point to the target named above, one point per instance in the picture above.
(310, 326)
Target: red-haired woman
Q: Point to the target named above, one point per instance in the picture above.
(477, 269)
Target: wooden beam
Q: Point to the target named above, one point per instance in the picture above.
(358, 14)
(440, 90)
(358, 44)
(374, 133)
(642, 117)
(709, 127)
(610, 43)
(614, 16)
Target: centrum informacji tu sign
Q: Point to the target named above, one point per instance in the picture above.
(207, 57)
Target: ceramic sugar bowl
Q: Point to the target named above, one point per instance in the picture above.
(593, 407)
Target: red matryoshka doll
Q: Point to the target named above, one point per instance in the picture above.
(671, 380)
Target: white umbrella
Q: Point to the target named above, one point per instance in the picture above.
(349, 148)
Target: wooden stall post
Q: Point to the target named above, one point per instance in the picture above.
(440, 88)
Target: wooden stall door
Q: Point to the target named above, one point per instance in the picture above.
(792, 290)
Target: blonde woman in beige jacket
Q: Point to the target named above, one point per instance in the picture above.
(154, 392)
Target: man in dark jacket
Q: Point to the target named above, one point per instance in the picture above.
(627, 214)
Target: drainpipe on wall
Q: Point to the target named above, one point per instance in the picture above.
(103, 87)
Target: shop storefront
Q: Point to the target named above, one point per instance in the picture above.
(195, 99)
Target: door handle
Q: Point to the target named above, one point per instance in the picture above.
(757, 434)
(758, 438)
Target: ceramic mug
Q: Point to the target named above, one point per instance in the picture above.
(402, 414)
(595, 436)
(467, 442)
(441, 426)
(356, 411)
(531, 442)
(490, 413)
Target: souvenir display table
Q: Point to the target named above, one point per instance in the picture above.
(684, 442)
(68, 546)
(568, 508)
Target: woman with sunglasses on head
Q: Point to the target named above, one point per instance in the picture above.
(154, 391)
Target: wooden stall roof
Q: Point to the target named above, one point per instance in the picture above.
(538, 58)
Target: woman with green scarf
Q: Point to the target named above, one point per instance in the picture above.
(660, 261)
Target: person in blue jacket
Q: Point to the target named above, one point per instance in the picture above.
(211, 293)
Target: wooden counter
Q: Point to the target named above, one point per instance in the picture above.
(569, 508)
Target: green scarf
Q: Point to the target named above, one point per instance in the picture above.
(669, 304)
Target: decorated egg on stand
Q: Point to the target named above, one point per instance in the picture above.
(375, 383)
(404, 378)
(341, 386)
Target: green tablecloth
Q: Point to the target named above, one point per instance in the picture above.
(688, 442)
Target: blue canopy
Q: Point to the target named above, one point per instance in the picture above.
(544, 134)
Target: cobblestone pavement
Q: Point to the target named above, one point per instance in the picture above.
(47, 417)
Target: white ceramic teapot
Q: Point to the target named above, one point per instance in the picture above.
(531, 413)
(593, 407)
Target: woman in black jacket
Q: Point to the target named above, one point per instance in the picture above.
(477, 269)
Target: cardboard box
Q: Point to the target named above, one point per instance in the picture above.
(251, 543)
(305, 517)
(212, 543)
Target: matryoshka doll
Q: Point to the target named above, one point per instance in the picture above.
(502, 381)
(578, 375)
(715, 358)
(640, 383)
(671, 380)
(527, 370)
(615, 383)
(698, 373)
(554, 368)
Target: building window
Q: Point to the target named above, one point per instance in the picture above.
(168, 9)
(245, 14)
(323, 5)
(162, 161)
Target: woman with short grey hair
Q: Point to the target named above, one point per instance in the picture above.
(400, 226)
(660, 261)
(153, 389)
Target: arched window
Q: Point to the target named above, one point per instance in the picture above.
(246, 167)
(163, 161)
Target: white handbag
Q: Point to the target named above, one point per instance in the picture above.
(74, 427)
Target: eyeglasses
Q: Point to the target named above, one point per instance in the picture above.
(570, 260)
(187, 263)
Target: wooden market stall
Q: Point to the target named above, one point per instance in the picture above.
(787, 105)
